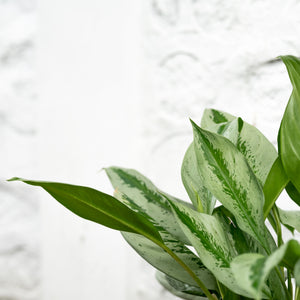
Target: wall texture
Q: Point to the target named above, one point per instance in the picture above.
(117, 86)
(19, 213)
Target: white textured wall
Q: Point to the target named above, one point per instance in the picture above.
(117, 86)
(19, 213)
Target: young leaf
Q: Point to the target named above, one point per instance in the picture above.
(252, 269)
(98, 207)
(162, 261)
(142, 196)
(289, 133)
(209, 240)
(274, 185)
(201, 197)
(227, 175)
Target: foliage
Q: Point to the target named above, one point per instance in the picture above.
(204, 251)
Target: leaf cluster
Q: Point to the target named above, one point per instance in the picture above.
(219, 246)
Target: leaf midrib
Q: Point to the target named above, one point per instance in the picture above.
(223, 175)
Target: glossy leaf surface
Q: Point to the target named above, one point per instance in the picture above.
(228, 176)
(274, 185)
(98, 207)
(142, 196)
(289, 133)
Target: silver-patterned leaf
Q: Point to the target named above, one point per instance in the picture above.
(290, 218)
(226, 173)
(141, 195)
(209, 240)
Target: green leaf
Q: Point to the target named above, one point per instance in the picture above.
(215, 120)
(293, 193)
(98, 207)
(297, 272)
(201, 197)
(251, 270)
(290, 218)
(274, 185)
(289, 133)
(162, 261)
(179, 288)
(141, 195)
(227, 175)
(209, 240)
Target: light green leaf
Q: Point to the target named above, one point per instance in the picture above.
(201, 197)
(297, 272)
(142, 196)
(227, 175)
(179, 288)
(215, 120)
(162, 261)
(257, 149)
(274, 185)
(289, 133)
(98, 207)
(209, 240)
(251, 270)
(290, 218)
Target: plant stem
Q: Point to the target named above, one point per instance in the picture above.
(297, 293)
(278, 226)
(279, 273)
(191, 273)
(290, 285)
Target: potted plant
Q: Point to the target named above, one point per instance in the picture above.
(235, 256)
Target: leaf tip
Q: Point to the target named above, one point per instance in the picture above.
(15, 179)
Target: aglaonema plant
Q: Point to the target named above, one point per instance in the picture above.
(201, 250)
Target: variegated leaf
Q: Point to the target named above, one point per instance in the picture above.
(141, 195)
(201, 197)
(162, 261)
(180, 289)
(209, 240)
(252, 269)
(226, 173)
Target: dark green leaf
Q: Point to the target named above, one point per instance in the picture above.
(99, 207)
(289, 133)
(297, 272)
(293, 193)
(227, 175)
(275, 183)
(141, 195)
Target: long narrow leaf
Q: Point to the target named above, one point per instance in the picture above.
(99, 207)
